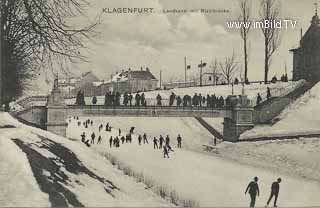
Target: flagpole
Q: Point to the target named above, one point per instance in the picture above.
(185, 71)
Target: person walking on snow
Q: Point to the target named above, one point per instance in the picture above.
(179, 139)
(110, 141)
(274, 192)
(253, 189)
(93, 136)
(145, 140)
(155, 143)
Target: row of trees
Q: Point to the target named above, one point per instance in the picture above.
(269, 10)
(36, 35)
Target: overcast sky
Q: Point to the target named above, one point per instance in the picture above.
(160, 41)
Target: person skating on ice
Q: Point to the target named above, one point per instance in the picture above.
(253, 189)
(275, 187)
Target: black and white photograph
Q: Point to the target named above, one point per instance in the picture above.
(160, 103)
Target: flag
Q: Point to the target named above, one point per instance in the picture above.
(188, 67)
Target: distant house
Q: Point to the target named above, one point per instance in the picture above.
(129, 81)
(209, 78)
(306, 58)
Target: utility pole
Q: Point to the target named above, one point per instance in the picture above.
(160, 79)
(201, 65)
(185, 71)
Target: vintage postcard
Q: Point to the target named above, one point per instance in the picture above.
(160, 103)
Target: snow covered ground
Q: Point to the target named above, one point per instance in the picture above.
(194, 175)
(40, 169)
(277, 89)
(299, 118)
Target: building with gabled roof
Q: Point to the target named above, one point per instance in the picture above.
(306, 58)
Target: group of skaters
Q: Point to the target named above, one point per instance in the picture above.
(120, 139)
(253, 190)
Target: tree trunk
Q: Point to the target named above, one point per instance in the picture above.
(245, 58)
(266, 63)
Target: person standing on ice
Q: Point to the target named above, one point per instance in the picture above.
(253, 189)
(93, 136)
(139, 139)
(274, 192)
(179, 139)
(155, 143)
(110, 141)
(119, 132)
(83, 137)
(122, 139)
(107, 127)
(161, 140)
(145, 140)
(167, 140)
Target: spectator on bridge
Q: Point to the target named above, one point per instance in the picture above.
(161, 141)
(171, 99)
(159, 100)
(185, 101)
(200, 99)
(209, 101)
(167, 140)
(143, 100)
(107, 99)
(99, 139)
(203, 100)
(220, 102)
(137, 98)
(195, 99)
(125, 99)
(179, 139)
(139, 139)
(93, 136)
(130, 99)
(94, 100)
(259, 99)
(189, 100)
(122, 139)
(110, 141)
(117, 98)
(179, 101)
(268, 93)
(155, 143)
(145, 140)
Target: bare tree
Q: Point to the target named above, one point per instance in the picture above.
(38, 35)
(215, 69)
(229, 67)
(245, 18)
(269, 11)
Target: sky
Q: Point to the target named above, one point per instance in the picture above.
(160, 41)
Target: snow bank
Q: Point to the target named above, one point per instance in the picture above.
(299, 118)
(76, 172)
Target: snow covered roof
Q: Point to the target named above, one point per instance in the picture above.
(141, 74)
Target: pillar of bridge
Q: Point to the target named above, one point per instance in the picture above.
(56, 113)
(240, 120)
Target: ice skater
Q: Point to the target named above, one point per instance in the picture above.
(253, 189)
(167, 140)
(93, 136)
(110, 141)
(139, 139)
(83, 137)
(179, 139)
(161, 140)
(119, 132)
(122, 139)
(165, 152)
(99, 139)
(275, 187)
(155, 143)
(145, 140)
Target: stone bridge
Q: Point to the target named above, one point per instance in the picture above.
(54, 114)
